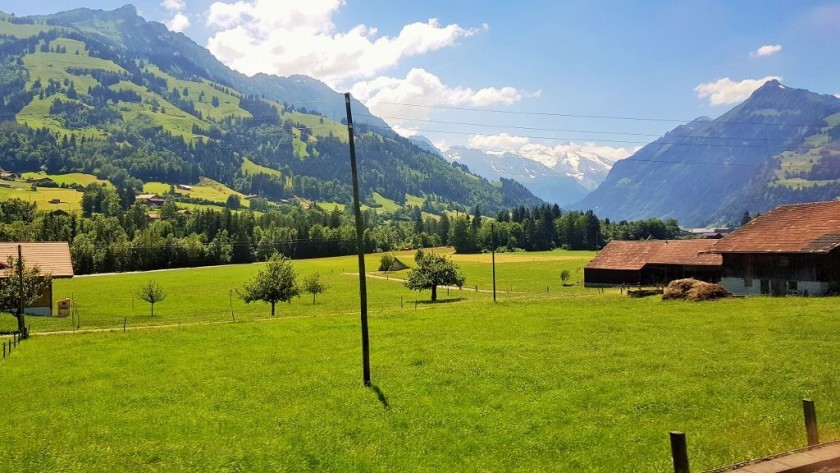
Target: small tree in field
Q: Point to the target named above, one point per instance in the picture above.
(152, 293)
(276, 283)
(34, 284)
(432, 271)
(564, 276)
(386, 262)
(313, 285)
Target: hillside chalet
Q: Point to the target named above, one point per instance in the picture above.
(652, 262)
(793, 249)
(52, 258)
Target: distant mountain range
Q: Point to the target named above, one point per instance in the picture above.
(548, 183)
(781, 145)
(560, 175)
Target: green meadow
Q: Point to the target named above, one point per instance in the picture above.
(549, 378)
(70, 200)
(206, 189)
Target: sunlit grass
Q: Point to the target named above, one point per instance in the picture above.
(572, 379)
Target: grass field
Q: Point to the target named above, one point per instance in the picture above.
(68, 179)
(566, 380)
(250, 167)
(206, 189)
(70, 199)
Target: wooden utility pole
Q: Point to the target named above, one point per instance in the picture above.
(493, 258)
(21, 323)
(360, 244)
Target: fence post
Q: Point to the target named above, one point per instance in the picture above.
(811, 422)
(4, 349)
(125, 322)
(679, 452)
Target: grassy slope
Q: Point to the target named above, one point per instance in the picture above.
(70, 199)
(228, 103)
(569, 381)
(72, 178)
(22, 31)
(46, 66)
(313, 123)
(206, 189)
(250, 167)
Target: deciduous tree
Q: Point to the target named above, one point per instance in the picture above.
(11, 292)
(152, 293)
(275, 283)
(433, 270)
(313, 285)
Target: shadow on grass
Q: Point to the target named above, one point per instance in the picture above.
(441, 301)
(381, 396)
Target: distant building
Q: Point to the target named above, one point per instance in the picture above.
(708, 233)
(8, 176)
(652, 262)
(793, 249)
(52, 258)
(42, 182)
(152, 200)
(184, 187)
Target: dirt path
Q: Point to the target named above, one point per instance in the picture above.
(454, 288)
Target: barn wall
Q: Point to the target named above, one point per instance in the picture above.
(593, 277)
(781, 274)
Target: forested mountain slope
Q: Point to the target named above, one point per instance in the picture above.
(107, 93)
(779, 146)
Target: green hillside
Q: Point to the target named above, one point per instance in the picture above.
(109, 94)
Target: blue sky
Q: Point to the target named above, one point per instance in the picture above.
(673, 60)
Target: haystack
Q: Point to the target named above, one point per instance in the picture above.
(694, 290)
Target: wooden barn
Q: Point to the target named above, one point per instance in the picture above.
(793, 249)
(652, 262)
(51, 257)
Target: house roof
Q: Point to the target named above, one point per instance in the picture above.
(634, 255)
(51, 257)
(797, 228)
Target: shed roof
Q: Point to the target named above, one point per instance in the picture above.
(634, 255)
(797, 228)
(51, 257)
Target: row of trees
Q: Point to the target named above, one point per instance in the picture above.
(112, 239)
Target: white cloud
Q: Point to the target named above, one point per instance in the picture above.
(178, 23)
(725, 91)
(174, 5)
(502, 142)
(288, 38)
(837, 95)
(394, 99)
(767, 50)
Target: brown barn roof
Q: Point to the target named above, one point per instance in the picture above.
(798, 228)
(634, 255)
(51, 257)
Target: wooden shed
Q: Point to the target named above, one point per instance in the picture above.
(51, 257)
(652, 262)
(792, 249)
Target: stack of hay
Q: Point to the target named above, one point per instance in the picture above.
(694, 290)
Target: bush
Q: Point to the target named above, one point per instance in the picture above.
(694, 290)
(386, 262)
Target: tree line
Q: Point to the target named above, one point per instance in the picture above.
(113, 235)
